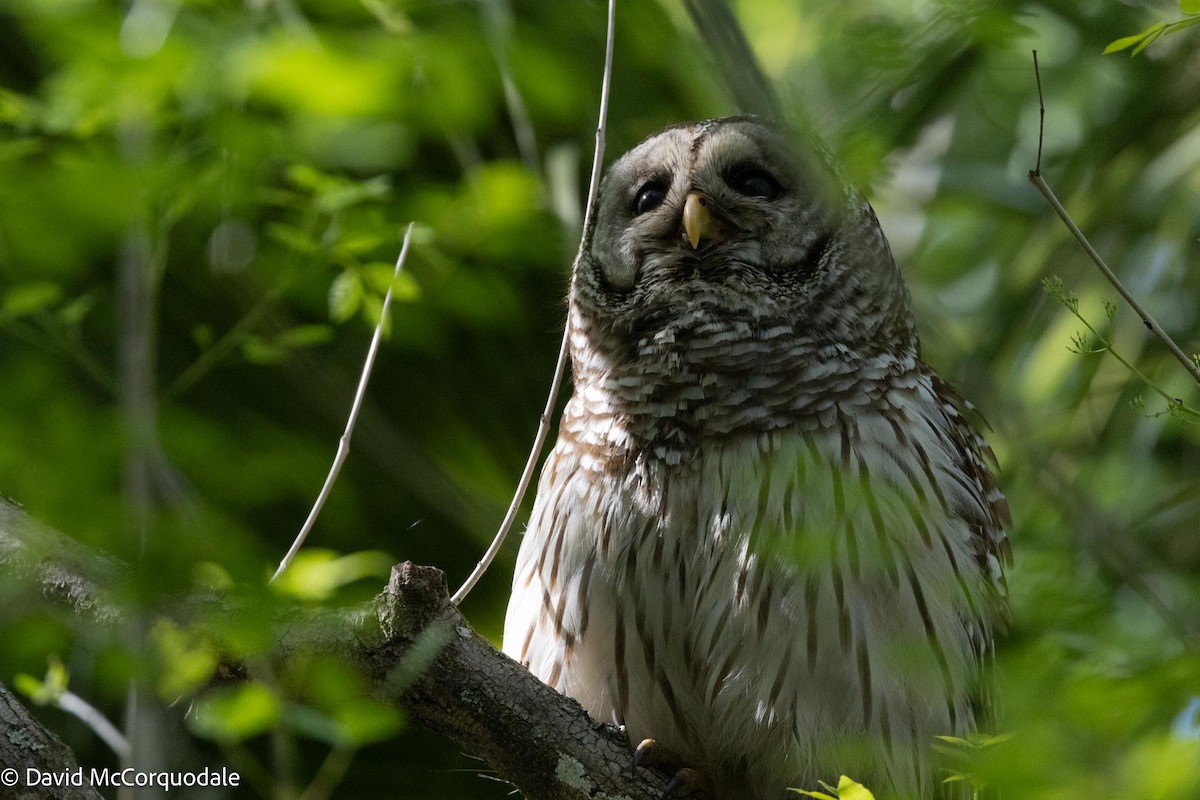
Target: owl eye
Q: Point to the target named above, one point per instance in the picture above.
(649, 197)
(754, 182)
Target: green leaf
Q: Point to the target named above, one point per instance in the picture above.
(345, 296)
(16, 149)
(1141, 40)
(287, 198)
(315, 725)
(293, 238)
(404, 286)
(189, 660)
(373, 313)
(305, 336)
(365, 721)
(258, 350)
(1124, 43)
(358, 722)
(354, 244)
(332, 193)
(992, 739)
(316, 574)
(956, 740)
(236, 714)
(16, 109)
(1179, 25)
(28, 298)
(1189, 6)
(1150, 39)
(344, 196)
(212, 576)
(73, 311)
(48, 690)
(305, 176)
(849, 789)
(203, 335)
(31, 687)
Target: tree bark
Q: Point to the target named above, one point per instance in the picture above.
(542, 742)
(26, 747)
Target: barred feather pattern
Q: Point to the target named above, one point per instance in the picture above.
(777, 554)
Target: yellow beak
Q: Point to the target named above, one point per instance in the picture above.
(698, 222)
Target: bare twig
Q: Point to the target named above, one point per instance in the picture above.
(75, 705)
(1035, 177)
(1041, 114)
(498, 19)
(543, 430)
(539, 441)
(344, 443)
(598, 155)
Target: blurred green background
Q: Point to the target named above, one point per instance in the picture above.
(200, 204)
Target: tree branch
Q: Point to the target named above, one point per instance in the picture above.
(34, 556)
(541, 741)
(417, 649)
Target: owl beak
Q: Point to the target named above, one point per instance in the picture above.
(698, 221)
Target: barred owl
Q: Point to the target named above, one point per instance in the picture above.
(767, 537)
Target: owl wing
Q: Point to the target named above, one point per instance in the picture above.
(990, 531)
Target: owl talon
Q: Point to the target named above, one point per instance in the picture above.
(685, 784)
(650, 753)
(689, 784)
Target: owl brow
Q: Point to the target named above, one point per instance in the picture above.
(643, 178)
(753, 157)
(738, 164)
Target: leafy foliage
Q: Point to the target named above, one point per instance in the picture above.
(1140, 41)
(847, 789)
(200, 203)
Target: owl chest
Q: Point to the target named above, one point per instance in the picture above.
(704, 600)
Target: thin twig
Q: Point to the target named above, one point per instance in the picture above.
(1035, 177)
(498, 19)
(1041, 114)
(330, 774)
(539, 441)
(598, 155)
(223, 346)
(344, 443)
(1106, 346)
(75, 705)
(42, 330)
(560, 367)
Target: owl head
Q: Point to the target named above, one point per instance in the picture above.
(727, 221)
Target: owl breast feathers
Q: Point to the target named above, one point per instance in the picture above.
(766, 537)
